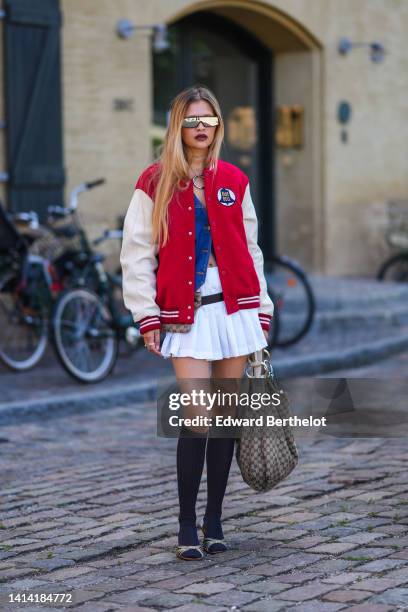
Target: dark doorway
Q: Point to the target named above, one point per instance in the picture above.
(33, 105)
(211, 50)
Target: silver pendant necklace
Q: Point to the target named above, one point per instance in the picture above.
(198, 176)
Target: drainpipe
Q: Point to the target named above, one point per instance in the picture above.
(4, 176)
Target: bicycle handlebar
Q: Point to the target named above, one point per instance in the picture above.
(96, 183)
(73, 198)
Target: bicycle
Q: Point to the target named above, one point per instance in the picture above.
(89, 318)
(395, 268)
(26, 296)
(293, 299)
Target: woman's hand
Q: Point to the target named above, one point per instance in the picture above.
(152, 341)
(266, 334)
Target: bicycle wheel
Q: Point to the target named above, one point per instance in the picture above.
(395, 269)
(83, 334)
(294, 299)
(23, 324)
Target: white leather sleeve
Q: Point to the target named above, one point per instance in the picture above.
(138, 258)
(251, 230)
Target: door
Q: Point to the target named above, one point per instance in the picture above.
(211, 50)
(34, 146)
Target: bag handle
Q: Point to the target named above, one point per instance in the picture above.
(259, 365)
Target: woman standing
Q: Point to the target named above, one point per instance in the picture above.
(192, 268)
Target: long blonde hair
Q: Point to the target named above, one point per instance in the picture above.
(172, 166)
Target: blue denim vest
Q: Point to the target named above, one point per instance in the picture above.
(203, 242)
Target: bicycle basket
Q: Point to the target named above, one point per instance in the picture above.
(10, 239)
(67, 233)
(46, 245)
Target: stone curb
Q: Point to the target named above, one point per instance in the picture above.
(82, 401)
(319, 363)
(349, 319)
(94, 399)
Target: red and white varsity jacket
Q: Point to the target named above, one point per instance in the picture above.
(158, 281)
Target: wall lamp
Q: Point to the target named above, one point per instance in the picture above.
(377, 50)
(125, 29)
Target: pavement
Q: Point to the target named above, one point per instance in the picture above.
(89, 510)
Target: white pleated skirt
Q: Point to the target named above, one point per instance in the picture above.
(214, 333)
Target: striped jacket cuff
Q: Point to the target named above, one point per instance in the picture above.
(148, 323)
(265, 320)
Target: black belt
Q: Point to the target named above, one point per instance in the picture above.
(214, 297)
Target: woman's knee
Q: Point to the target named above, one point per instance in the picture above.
(231, 367)
(190, 368)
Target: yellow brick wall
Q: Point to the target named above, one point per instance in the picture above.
(335, 192)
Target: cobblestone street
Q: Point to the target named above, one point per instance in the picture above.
(89, 507)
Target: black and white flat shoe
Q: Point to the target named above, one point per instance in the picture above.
(189, 552)
(213, 545)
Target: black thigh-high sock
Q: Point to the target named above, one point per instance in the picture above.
(190, 463)
(219, 458)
